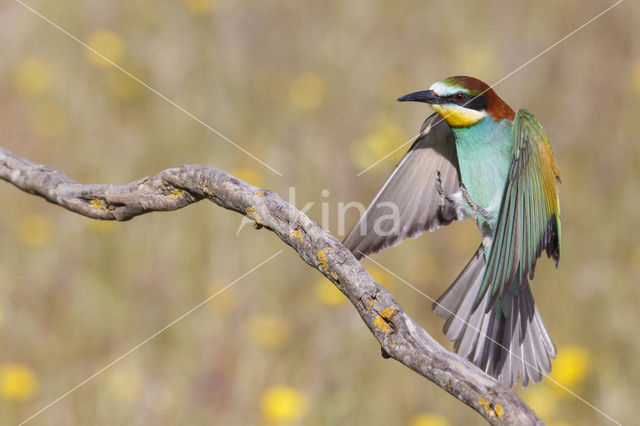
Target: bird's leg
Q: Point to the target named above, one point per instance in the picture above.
(440, 190)
(455, 199)
(476, 208)
(450, 207)
(439, 184)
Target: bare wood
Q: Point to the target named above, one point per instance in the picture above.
(401, 338)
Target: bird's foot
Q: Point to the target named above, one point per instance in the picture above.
(476, 208)
(439, 184)
(441, 192)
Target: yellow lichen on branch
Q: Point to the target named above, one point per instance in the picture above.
(98, 204)
(387, 312)
(497, 411)
(175, 193)
(297, 233)
(251, 213)
(207, 190)
(323, 260)
(381, 324)
(370, 304)
(381, 320)
(483, 402)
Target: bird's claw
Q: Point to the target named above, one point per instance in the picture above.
(441, 192)
(439, 184)
(476, 208)
(465, 194)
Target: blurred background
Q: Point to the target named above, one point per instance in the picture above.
(310, 88)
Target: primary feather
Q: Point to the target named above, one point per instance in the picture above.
(411, 188)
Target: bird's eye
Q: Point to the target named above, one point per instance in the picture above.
(460, 96)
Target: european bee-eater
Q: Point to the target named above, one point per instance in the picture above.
(477, 158)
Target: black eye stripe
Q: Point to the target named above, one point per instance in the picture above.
(479, 102)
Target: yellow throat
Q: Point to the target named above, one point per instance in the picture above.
(457, 116)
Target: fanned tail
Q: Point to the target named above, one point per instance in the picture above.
(506, 338)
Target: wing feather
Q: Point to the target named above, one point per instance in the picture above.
(411, 188)
(529, 218)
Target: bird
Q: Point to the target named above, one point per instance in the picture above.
(476, 158)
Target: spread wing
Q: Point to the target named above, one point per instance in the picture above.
(408, 203)
(529, 218)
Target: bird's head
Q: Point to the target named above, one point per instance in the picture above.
(462, 101)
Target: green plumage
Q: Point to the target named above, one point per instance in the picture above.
(529, 213)
(484, 167)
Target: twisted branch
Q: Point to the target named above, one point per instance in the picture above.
(401, 338)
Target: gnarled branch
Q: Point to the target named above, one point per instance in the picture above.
(401, 338)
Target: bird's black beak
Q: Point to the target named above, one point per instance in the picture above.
(426, 96)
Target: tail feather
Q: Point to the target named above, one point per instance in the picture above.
(506, 338)
(454, 300)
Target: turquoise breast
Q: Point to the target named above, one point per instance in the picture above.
(484, 155)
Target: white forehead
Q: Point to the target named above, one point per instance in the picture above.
(442, 89)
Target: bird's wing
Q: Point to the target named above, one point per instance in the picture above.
(529, 218)
(408, 203)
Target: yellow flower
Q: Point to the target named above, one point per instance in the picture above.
(108, 44)
(269, 331)
(282, 404)
(33, 77)
(35, 230)
(541, 399)
(198, 7)
(384, 138)
(307, 91)
(48, 120)
(428, 420)
(328, 294)
(17, 382)
(250, 176)
(570, 367)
